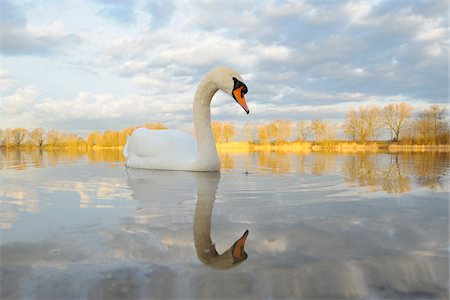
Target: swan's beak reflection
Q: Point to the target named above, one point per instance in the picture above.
(238, 95)
(239, 255)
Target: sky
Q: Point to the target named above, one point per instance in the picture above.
(79, 66)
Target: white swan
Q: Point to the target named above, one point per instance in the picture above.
(175, 150)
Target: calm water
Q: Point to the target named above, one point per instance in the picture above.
(78, 225)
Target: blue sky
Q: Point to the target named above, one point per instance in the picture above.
(94, 65)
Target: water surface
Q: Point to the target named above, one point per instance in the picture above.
(78, 224)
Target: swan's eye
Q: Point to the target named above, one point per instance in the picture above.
(238, 84)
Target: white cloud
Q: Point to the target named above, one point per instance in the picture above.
(148, 82)
(204, 49)
(20, 101)
(273, 52)
(132, 67)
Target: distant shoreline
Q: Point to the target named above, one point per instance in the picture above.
(284, 147)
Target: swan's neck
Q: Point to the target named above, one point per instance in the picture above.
(206, 251)
(206, 147)
(206, 195)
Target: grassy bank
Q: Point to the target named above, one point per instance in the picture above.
(418, 148)
(338, 147)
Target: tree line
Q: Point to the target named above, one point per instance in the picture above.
(39, 137)
(429, 127)
(362, 125)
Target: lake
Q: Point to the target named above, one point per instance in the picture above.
(80, 225)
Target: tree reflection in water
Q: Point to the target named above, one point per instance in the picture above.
(430, 169)
(394, 173)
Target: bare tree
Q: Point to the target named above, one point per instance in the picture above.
(284, 130)
(53, 138)
(263, 133)
(319, 129)
(62, 140)
(37, 136)
(432, 125)
(375, 122)
(274, 131)
(249, 131)
(351, 125)
(395, 116)
(302, 130)
(368, 123)
(437, 117)
(19, 135)
(323, 131)
(330, 131)
(228, 131)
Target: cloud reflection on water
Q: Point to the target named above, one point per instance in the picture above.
(322, 226)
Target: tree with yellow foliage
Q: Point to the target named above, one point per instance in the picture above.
(93, 139)
(155, 126)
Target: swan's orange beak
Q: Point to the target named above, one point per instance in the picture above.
(238, 252)
(238, 95)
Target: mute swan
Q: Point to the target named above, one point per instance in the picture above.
(175, 150)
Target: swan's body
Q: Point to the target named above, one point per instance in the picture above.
(176, 150)
(179, 150)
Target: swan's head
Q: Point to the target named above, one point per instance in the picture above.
(237, 250)
(231, 258)
(229, 81)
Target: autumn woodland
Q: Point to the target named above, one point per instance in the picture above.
(368, 126)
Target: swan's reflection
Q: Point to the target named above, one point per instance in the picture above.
(208, 183)
(148, 184)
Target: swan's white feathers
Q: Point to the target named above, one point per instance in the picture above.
(160, 149)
